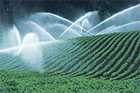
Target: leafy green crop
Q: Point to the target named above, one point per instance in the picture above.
(97, 64)
(109, 56)
(31, 82)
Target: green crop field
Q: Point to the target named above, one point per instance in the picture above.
(96, 64)
(31, 82)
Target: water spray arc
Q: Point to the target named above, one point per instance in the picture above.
(46, 42)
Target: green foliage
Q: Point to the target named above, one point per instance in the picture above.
(114, 57)
(31, 82)
(109, 56)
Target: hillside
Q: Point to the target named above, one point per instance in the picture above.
(102, 64)
(111, 56)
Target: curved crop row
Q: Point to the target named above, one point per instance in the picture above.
(110, 56)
